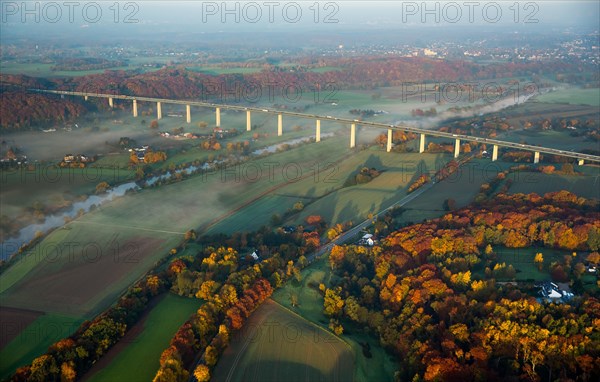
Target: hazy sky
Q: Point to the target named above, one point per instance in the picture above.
(95, 18)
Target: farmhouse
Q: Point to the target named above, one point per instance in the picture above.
(367, 239)
(140, 152)
(550, 292)
(288, 229)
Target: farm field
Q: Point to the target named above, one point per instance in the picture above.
(379, 367)
(83, 267)
(356, 202)
(574, 96)
(462, 187)
(30, 337)
(215, 70)
(53, 187)
(136, 357)
(276, 344)
(534, 110)
(551, 138)
(45, 70)
(586, 185)
(109, 248)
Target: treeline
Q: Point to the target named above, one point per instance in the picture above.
(419, 294)
(20, 109)
(69, 358)
(232, 285)
(88, 63)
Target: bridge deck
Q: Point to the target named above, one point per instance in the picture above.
(402, 127)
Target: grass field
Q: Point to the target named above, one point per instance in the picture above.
(324, 69)
(586, 185)
(522, 260)
(277, 345)
(574, 96)
(551, 138)
(356, 202)
(215, 71)
(33, 339)
(462, 187)
(52, 186)
(380, 367)
(136, 357)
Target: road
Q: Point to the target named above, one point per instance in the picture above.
(344, 237)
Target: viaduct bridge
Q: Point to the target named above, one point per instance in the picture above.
(423, 133)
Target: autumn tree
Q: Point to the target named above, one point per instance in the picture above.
(333, 303)
(593, 258)
(102, 187)
(539, 260)
(202, 373)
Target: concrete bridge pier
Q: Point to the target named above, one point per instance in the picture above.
(353, 135)
(158, 111)
(218, 117)
(422, 144)
(110, 102)
(318, 132)
(457, 148)
(248, 121)
(279, 125)
(135, 111)
(389, 140)
(580, 162)
(536, 157)
(188, 113)
(495, 153)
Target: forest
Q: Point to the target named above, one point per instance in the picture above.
(418, 293)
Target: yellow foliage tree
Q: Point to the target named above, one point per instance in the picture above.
(202, 373)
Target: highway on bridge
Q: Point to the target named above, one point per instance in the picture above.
(380, 125)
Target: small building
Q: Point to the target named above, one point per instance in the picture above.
(288, 229)
(550, 292)
(367, 239)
